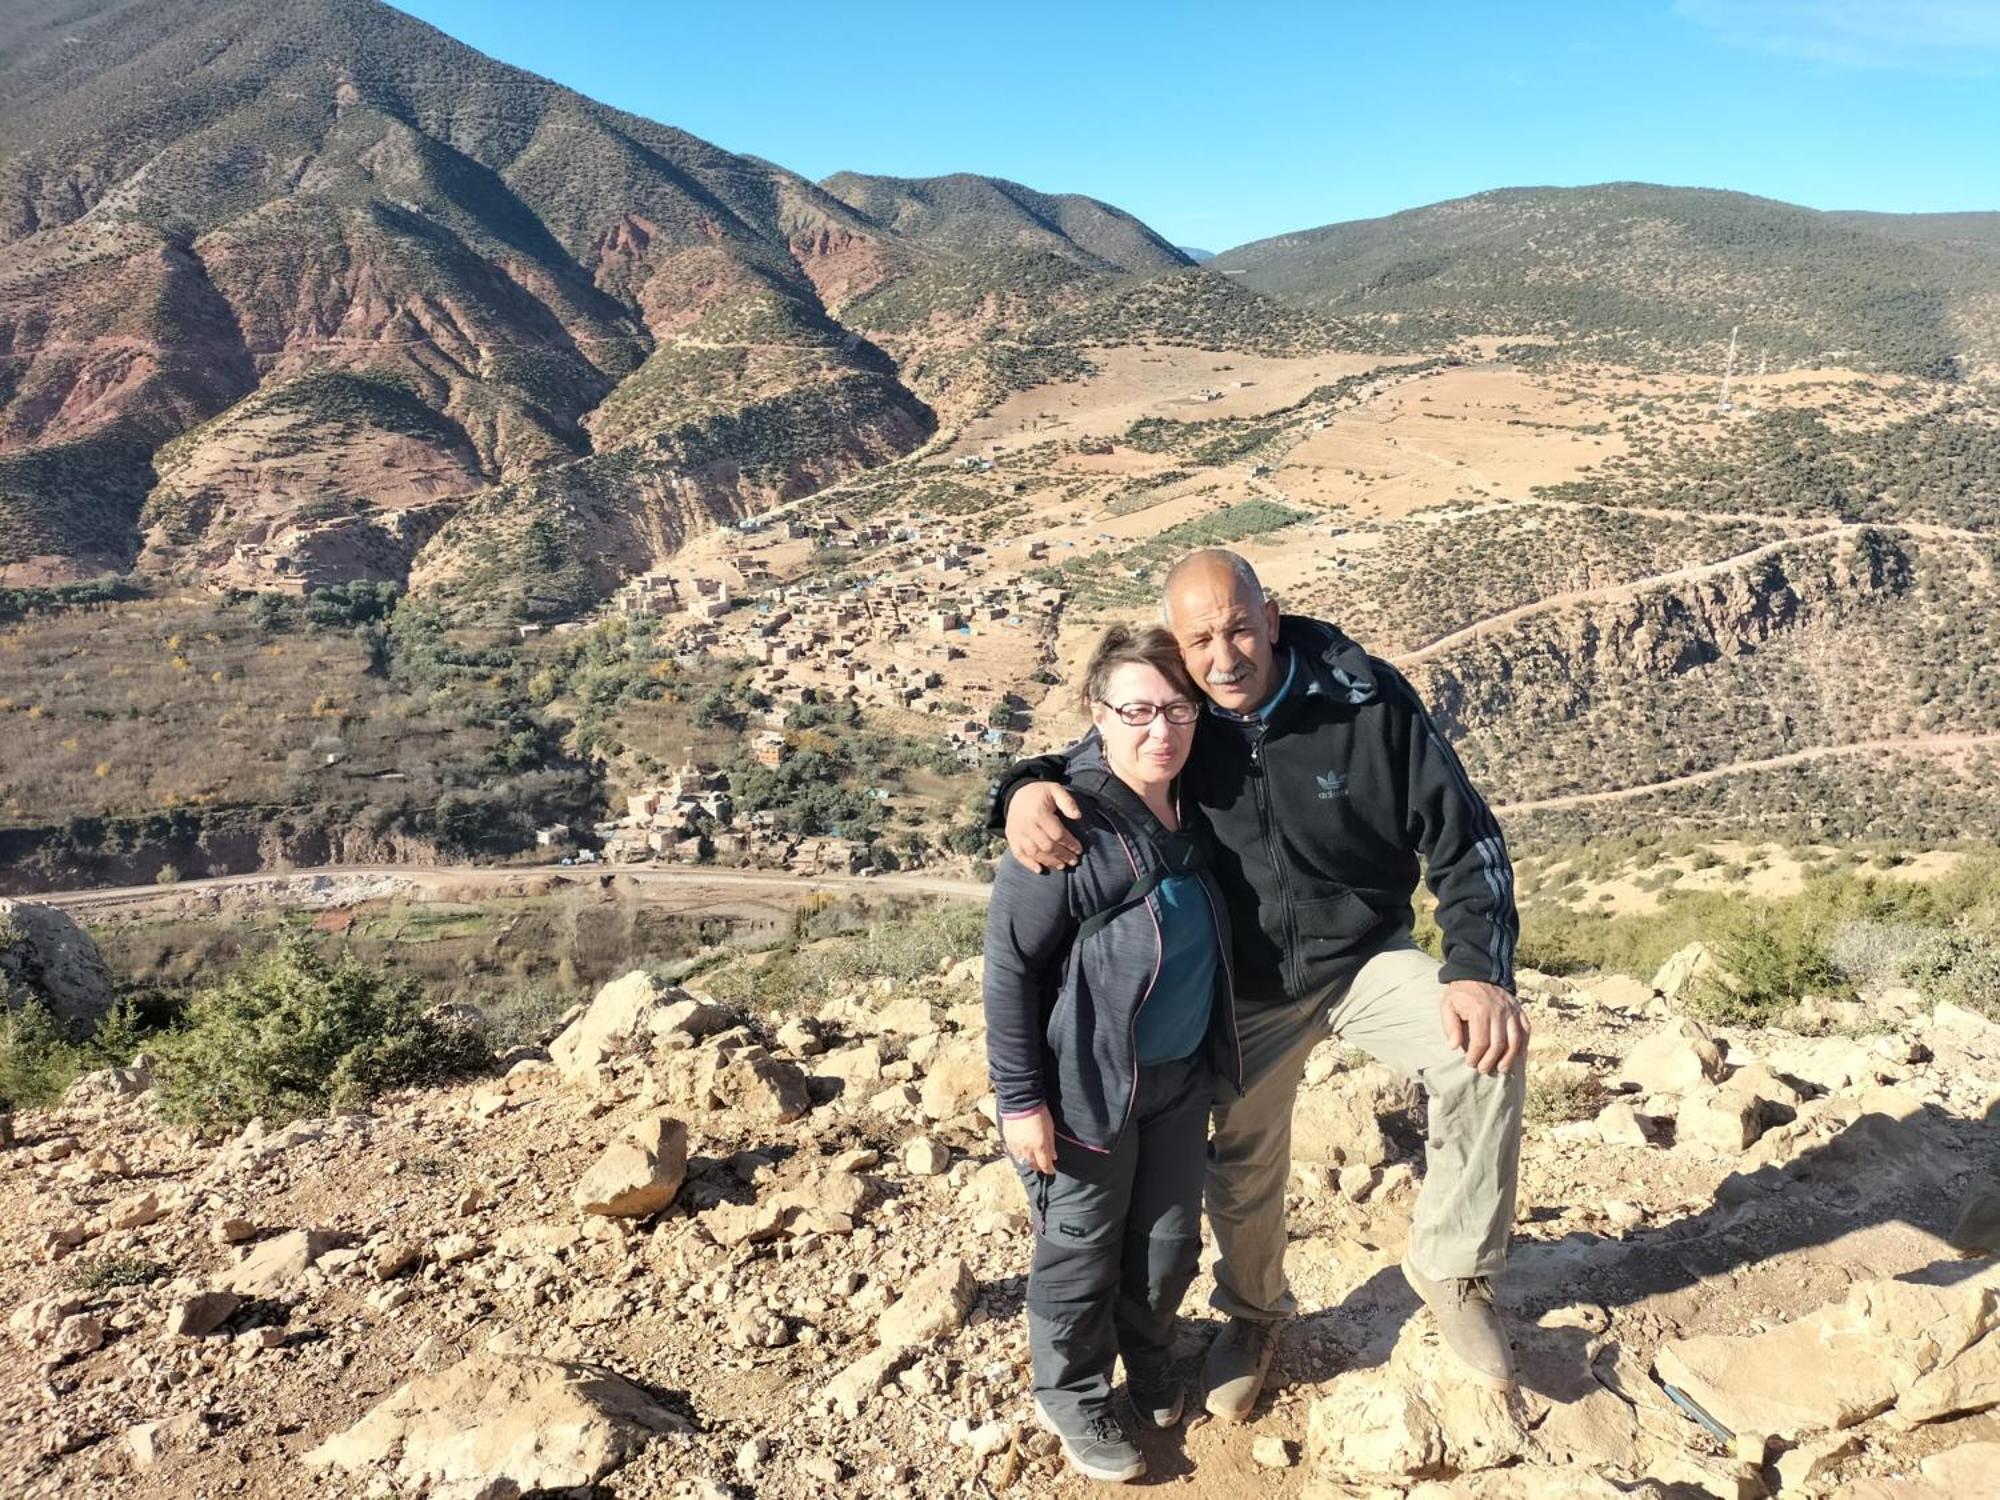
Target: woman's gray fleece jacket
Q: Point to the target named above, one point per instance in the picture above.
(1072, 956)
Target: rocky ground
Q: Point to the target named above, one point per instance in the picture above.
(680, 1252)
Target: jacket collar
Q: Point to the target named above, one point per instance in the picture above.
(1090, 775)
(1331, 665)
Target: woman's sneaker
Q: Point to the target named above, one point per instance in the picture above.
(1095, 1445)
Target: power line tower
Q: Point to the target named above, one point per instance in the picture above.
(1728, 371)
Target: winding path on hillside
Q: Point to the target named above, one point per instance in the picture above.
(1609, 593)
(1934, 744)
(468, 877)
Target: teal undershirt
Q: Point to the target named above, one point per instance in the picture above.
(1174, 1018)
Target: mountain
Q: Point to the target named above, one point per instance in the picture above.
(1199, 257)
(1976, 232)
(984, 215)
(299, 290)
(1657, 275)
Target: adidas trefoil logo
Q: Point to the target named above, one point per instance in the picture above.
(1331, 784)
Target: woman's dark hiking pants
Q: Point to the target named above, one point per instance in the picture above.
(1117, 1241)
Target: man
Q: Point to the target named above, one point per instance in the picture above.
(1323, 781)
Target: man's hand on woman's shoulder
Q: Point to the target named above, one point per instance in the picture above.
(1036, 833)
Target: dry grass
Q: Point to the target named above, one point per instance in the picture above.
(163, 704)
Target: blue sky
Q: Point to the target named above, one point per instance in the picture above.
(1224, 122)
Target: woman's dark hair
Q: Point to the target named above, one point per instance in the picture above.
(1134, 645)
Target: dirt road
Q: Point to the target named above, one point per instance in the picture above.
(329, 884)
(1921, 745)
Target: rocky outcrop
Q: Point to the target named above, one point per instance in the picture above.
(820, 1283)
(639, 1173)
(1928, 1351)
(491, 1421)
(46, 958)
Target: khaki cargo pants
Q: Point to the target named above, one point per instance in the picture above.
(1472, 1150)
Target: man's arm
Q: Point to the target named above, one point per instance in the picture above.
(1469, 871)
(1030, 806)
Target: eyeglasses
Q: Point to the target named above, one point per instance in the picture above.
(1139, 715)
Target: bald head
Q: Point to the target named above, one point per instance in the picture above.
(1225, 626)
(1209, 570)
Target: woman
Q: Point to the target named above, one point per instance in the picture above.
(1108, 1017)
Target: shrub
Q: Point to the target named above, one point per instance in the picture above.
(1556, 1095)
(37, 1060)
(103, 1272)
(1958, 967)
(1774, 958)
(291, 1034)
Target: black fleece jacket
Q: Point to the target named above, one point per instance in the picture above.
(1320, 816)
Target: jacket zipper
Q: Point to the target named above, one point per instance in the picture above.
(1229, 983)
(1261, 781)
(1132, 1024)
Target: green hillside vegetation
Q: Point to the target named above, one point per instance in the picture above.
(1752, 665)
(549, 546)
(1844, 930)
(980, 216)
(1652, 275)
(1914, 801)
(1434, 579)
(1940, 467)
(1208, 311)
(1132, 577)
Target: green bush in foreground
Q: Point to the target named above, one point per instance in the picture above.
(843, 946)
(103, 1272)
(40, 1056)
(1774, 957)
(37, 1059)
(1958, 967)
(291, 1034)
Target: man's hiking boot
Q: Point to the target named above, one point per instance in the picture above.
(1232, 1377)
(1095, 1445)
(1470, 1323)
(1156, 1405)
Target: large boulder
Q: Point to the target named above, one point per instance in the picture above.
(1414, 1417)
(1339, 1123)
(637, 1174)
(955, 1079)
(633, 1015)
(1693, 968)
(513, 1424)
(46, 957)
(1676, 1059)
(746, 1078)
(277, 1266)
(104, 1086)
(1845, 1362)
(1724, 1120)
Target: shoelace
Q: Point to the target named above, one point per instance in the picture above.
(1104, 1429)
(1473, 1289)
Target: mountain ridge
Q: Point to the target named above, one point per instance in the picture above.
(207, 203)
(1655, 274)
